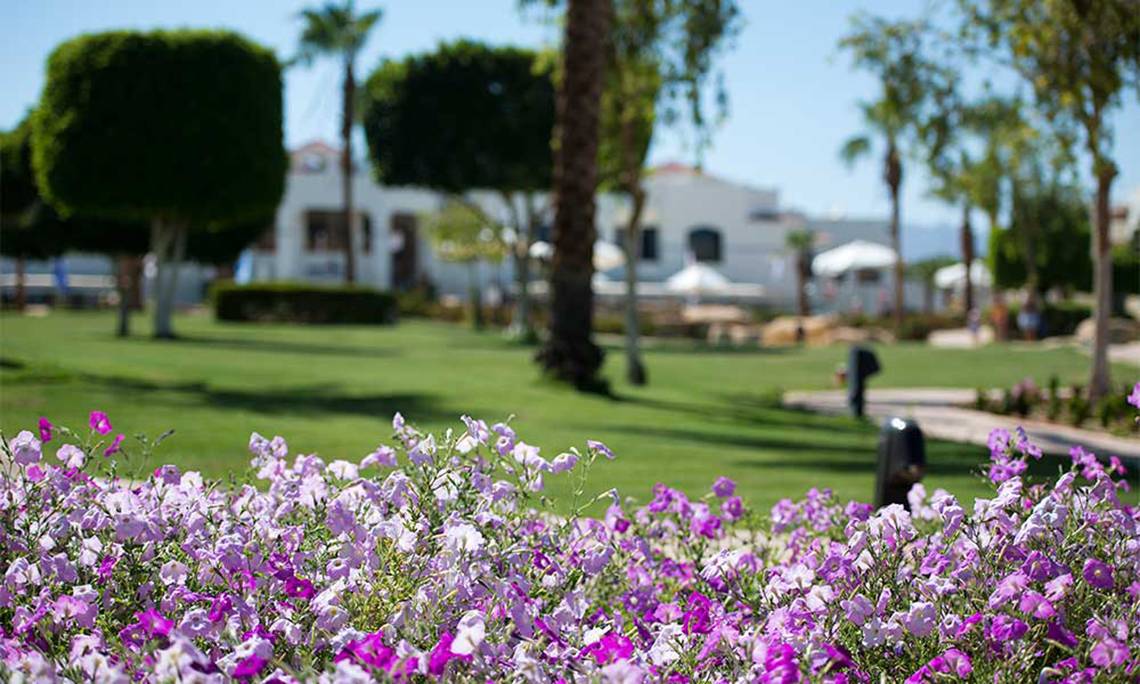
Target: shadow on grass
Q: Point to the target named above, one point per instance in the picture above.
(704, 439)
(750, 411)
(303, 400)
(284, 347)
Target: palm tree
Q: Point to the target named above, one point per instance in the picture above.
(338, 31)
(801, 243)
(570, 353)
(894, 53)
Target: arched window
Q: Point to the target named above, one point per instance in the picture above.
(705, 243)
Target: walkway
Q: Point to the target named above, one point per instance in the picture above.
(940, 414)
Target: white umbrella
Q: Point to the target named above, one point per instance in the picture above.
(697, 279)
(856, 255)
(954, 275)
(606, 255)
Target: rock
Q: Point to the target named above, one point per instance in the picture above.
(1120, 330)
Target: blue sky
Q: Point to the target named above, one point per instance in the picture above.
(792, 98)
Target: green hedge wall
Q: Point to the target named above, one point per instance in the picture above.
(303, 303)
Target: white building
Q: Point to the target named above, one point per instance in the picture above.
(737, 229)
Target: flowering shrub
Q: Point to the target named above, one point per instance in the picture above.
(427, 560)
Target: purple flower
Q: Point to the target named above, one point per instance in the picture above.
(99, 422)
(1004, 629)
(1097, 573)
(25, 448)
(602, 449)
(1056, 632)
(295, 587)
(46, 427)
(152, 623)
(723, 487)
(733, 508)
(696, 619)
(1134, 396)
(1109, 653)
(369, 651)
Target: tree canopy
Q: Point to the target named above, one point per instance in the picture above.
(464, 116)
(1059, 219)
(184, 124)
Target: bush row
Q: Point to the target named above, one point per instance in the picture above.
(297, 303)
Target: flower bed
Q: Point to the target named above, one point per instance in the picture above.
(1057, 404)
(427, 560)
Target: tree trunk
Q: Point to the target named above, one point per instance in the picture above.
(123, 288)
(346, 172)
(634, 369)
(803, 304)
(525, 227)
(20, 297)
(570, 353)
(168, 238)
(474, 295)
(1102, 284)
(967, 259)
(893, 177)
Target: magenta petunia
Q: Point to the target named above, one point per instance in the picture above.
(99, 422)
(45, 429)
(114, 446)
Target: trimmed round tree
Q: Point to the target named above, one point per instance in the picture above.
(469, 116)
(182, 129)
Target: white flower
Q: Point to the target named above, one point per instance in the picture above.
(469, 633)
(463, 538)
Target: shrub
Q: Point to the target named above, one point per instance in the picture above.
(301, 303)
(427, 560)
(1061, 318)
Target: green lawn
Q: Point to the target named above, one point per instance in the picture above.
(333, 390)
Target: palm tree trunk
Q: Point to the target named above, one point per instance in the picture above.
(635, 369)
(123, 287)
(1102, 284)
(893, 176)
(968, 258)
(346, 172)
(570, 353)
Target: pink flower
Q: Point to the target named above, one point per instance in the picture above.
(45, 429)
(610, 648)
(442, 654)
(99, 422)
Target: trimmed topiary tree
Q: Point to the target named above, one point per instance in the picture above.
(182, 129)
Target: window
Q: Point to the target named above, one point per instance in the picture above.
(649, 243)
(705, 244)
(324, 231)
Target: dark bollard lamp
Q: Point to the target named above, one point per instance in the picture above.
(861, 365)
(902, 461)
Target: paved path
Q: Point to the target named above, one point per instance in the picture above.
(938, 411)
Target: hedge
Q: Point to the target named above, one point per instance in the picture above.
(303, 303)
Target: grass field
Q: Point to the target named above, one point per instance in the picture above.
(333, 390)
